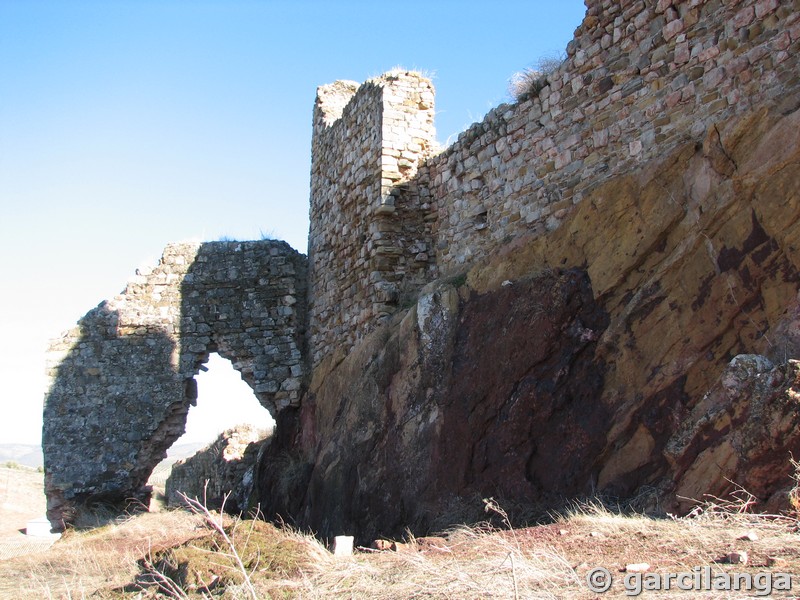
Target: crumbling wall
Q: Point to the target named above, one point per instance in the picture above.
(122, 381)
(367, 242)
(221, 475)
(640, 79)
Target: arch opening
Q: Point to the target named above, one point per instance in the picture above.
(123, 380)
(224, 401)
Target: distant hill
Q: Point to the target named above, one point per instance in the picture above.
(29, 455)
(180, 451)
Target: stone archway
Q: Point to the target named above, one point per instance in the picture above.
(122, 381)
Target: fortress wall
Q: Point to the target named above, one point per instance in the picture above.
(640, 78)
(246, 301)
(122, 381)
(367, 238)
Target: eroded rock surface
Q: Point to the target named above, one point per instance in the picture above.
(742, 433)
(582, 361)
(468, 394)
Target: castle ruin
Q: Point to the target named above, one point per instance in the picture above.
(391, 212)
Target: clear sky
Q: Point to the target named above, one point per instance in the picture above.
(128, 124)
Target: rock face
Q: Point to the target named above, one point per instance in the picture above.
(453, 401)
(522, 392)
(591, 360)
(742, 431)
(225, 467)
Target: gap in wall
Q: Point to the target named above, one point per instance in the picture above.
(224, 400)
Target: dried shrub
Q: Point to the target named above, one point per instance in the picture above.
(794, 493)
(532, 80)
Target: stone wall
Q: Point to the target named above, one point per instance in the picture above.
(640, 78)
(221, 475)
(122, 381)
(365, 246)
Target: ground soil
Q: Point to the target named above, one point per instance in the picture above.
(547, 561)
(21, 500)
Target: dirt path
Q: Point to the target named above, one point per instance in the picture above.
(21, 500)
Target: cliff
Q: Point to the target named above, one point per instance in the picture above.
(602, 358)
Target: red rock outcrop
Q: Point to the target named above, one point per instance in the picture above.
(742, 433)
(579, 362)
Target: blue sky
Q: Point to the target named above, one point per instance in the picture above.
(125, 125)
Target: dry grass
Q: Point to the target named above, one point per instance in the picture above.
(175, 554)
(794, 493)
(21, 500)
(471, 562)
(705, 538)
(82, 562)
(180, 554)
(245, 559)
(532, 80)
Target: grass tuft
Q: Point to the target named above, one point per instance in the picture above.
(529, 82)
(794, 493)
